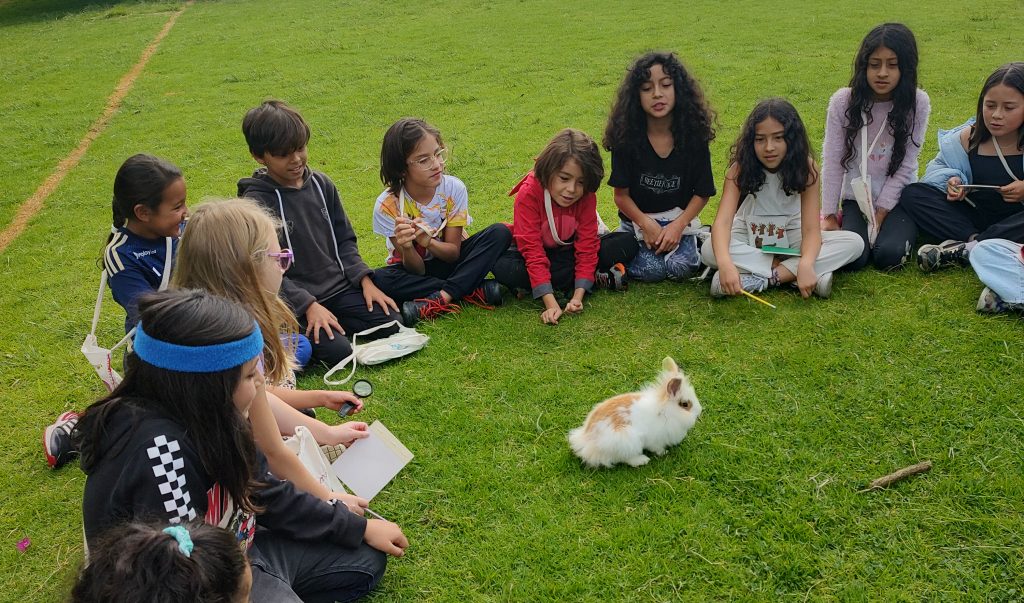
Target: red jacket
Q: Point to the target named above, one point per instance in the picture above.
(532, 235)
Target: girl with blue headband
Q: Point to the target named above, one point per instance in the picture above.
(172, 442)
(231, 250)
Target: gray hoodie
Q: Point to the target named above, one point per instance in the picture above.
(318, 232)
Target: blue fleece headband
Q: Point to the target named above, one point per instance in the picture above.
(198, 358)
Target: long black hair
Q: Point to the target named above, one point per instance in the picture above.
(1010, 74)
(202, 403)
(692, 118)
(796, 168)
(899, 39)
(140, 563)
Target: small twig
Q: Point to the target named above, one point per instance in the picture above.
(888, 480)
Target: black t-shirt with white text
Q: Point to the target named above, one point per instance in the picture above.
(658, 184)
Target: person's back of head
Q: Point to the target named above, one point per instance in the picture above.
(224, 251)
(140, 562)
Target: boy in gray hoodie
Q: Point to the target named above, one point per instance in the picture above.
(328, 286)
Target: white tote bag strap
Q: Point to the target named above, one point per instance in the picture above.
(865, 150)
(1002, 160)
(165, 278)
(352, 357)
(551, 218)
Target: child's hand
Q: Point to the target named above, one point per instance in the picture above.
(319, 317)
(668, 238)
(345, 434)
(729, 279)
(550, 316)
(575, 306)
(354, 503)
(830, 222)
(954, 192)
(334, 399)
(373, 295)
(422, 232)
(651, 231)
(1013, 192)
(386, 537)
(806, 280)
(405, 232)
(880, 214)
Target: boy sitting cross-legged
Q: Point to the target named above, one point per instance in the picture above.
(328, 286)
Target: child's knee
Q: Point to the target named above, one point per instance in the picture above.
(647, 267)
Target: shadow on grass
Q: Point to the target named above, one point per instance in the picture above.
(18, 12)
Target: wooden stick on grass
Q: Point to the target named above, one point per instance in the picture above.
(888, 480)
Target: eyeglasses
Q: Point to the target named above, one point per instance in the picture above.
(284, 259)
(426, 163)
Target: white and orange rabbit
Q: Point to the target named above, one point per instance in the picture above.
(619, 429)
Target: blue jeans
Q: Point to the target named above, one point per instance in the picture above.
(998, 264)
(286, 570)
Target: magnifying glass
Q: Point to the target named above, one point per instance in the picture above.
(361, 388)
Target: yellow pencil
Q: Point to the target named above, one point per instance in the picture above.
(757, 299)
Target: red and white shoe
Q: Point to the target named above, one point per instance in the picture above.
(57, 440)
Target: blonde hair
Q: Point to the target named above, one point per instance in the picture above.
(222, 251)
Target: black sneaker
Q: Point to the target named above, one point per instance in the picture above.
(57, 440)
(487, 295)
(615, 279)
(426, 308)
(947, 253)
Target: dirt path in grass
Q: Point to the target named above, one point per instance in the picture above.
(31, 206)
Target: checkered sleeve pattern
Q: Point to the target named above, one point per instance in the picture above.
(168, 467)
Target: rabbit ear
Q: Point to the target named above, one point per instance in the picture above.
(673, 386)
(669, 365)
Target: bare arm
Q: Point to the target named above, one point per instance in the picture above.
(283, 463)
(810, 231)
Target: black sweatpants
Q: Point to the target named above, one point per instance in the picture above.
(350, 309)
(940, 219)
(476, 258)
(616, 247)
(893, 243)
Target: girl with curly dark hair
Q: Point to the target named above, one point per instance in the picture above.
(658, 134)
(766, 232)
(873, 136)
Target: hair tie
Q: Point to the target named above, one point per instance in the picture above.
(197, 358)
(181, 534)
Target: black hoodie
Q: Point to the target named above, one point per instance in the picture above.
(318, 232)
(148, 468)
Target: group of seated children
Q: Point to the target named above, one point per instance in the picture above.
(263, 283)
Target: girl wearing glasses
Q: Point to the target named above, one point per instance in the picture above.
(422, 214)
(231, 249)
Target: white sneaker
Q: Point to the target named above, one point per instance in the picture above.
(751, 283)
(823, 288)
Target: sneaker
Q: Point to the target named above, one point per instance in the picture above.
(823, 288)
(426, 308)
(990, 303)
(614, 279)
(751, 283)
(487, 295)
(948, 253)
(57, 440)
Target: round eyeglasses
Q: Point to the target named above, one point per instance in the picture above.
(427, 163)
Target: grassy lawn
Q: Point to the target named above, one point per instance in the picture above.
(803, 405)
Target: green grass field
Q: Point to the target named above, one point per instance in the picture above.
(803, 405)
